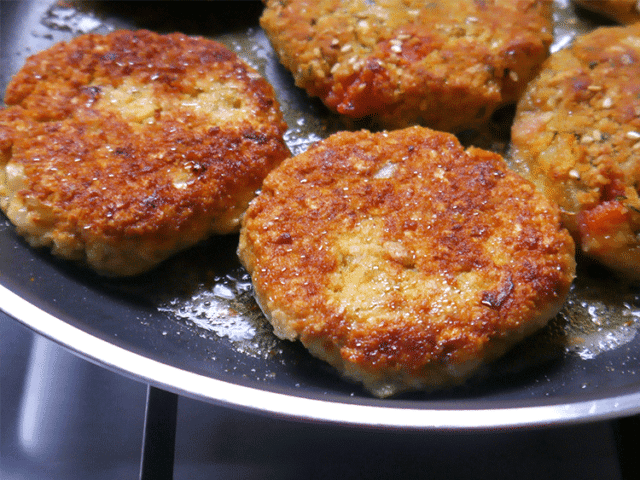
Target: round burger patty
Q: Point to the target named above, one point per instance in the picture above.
(119, 150)
(446, 64)
(402, 259)
(576, 135)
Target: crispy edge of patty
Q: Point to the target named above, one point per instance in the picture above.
(462, 258)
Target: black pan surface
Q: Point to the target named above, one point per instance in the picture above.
(191, 326)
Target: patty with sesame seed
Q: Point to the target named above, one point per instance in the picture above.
(446, 64)
(576, 135)
(403, 260)
(119, 150)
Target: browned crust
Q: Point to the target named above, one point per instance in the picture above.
(446, 64)
(577, 136)
(473, 256)
(103, 176)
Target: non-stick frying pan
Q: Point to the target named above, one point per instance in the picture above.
(191, 326)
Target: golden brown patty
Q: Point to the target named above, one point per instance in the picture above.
(402, 259)
(119, 150)
(576, 135)
(446, 64)
(623, 11)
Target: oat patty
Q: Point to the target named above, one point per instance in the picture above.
(119, 150)
(446, 64)
(402, 259)
(576, 135)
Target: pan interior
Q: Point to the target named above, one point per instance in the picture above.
(197, 312)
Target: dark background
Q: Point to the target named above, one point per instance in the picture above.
(64, 418)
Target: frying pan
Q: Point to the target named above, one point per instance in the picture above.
(192, 327)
